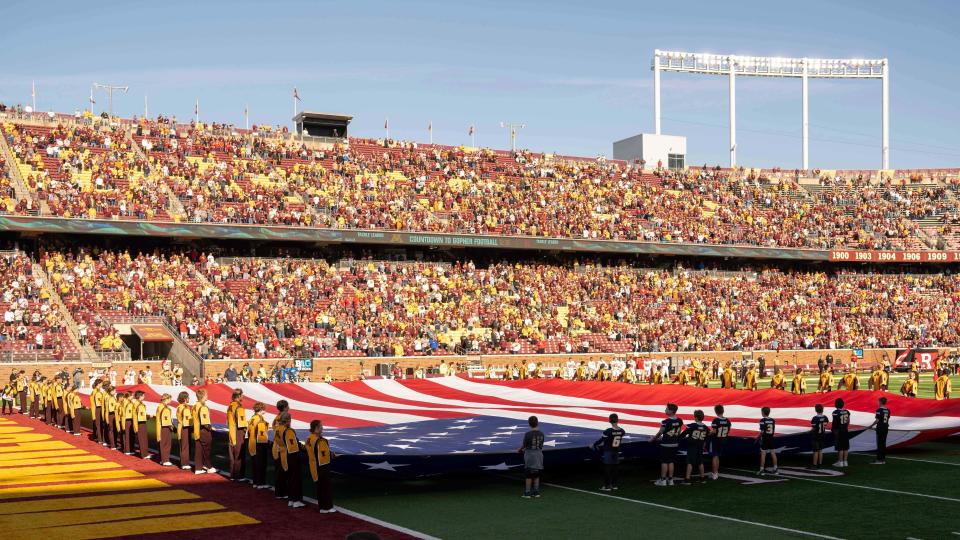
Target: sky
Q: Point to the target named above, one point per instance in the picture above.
(577, 74)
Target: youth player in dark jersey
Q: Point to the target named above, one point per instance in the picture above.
(609, 444)
(841, 435)
(532, 451)
(768, 428)
(668, 436)
(696, 435)
(719, 431)
(881, 424)
(818, 428)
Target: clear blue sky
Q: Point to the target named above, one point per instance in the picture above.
(578, 74)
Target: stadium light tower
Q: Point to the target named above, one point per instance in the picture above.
(110, 89)
(768, 66)
(513, 133)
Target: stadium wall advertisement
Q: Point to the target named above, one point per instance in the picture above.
(34, 224)
(850, 255)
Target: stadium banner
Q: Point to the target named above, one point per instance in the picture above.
(284, 233)
(926, 357)
(852, 255)
(419, 427)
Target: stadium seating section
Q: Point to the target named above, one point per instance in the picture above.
(269, 308)
(160, 170)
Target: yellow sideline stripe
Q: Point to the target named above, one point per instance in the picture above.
(42, 453)
(80, 487)
(7, 438)
(70, 477)
(29, 446)
(59, 518)
(93, 501)
(137, 527)
(14, 428)
(49, 460)
(12, 473)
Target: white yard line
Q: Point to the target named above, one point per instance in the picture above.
(913, 459)
(694, 512)
(858, 486)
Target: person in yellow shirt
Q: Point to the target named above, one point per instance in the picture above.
(826, 381)
(290, 461)
(911, 386)
(164, 429)
(798, 386)
(140, 425)
(96, 410)
(49, 414)
(128, 411)
(778, 381)
(258, 445)
(73, 410)
(681, 377)
(941, 388)
(581, 374)
(184, 428)
(603, 374)
(728, 379)
(34, 389)
(750, 378)
(58, 403)
(279, 453)
(202, 435)
(237, 432)
(319, 455)
(109, 418)
(878, 379)
(850, 381)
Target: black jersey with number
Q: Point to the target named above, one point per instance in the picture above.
(720, 427)
(768, 427)
(696, 432)
(671, 428)
(819, 424)
(841, 420)
(610, 441)
(883, 418)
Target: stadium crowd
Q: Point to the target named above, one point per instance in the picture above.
(223, 175)
(263, 308)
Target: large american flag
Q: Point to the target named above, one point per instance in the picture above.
(427, 426)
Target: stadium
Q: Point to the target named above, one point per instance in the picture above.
(224, 319)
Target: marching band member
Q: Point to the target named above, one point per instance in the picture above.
(49, 415)
(110, 417)
(798, 386)
(258, 445)
(778, 381)
(941, 388)
(184, 428)
(164, 419)
(74, 405)
(850, 381)
(22, 391)
(910, 386)
(825, 383)
(129, 414)
(140, 425)
(279, 471)
(290, 461)
(879, 379)
(319, 456)
(58, 404)
(37, 400)
(750, 378)
(7, 395)
(96, 411)
(237, 426)
(728, 379)
(202, 435)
